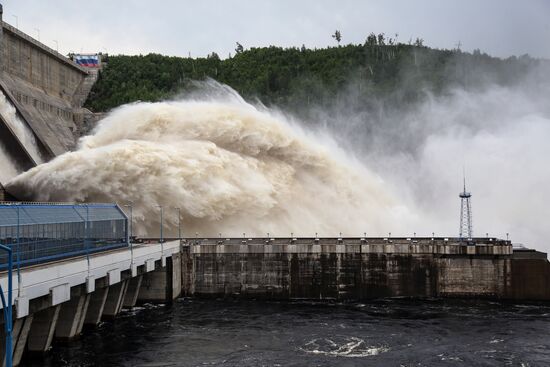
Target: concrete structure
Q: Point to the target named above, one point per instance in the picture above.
(362, 268)
(56, 300)
(47, 89)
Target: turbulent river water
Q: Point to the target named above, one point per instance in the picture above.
(396, 332)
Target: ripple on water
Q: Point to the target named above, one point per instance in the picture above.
(351, 347)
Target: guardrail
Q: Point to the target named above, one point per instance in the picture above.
(43, 232)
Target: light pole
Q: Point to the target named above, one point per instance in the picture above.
(161, 223)
(179, 223)
(131, 230)
(7, 308)
(129, 206)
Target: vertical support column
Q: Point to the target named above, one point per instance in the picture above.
(163, 284)
(132, 292)
(71, 316)
(154, 286)
(174, 275)
(113, 304)
(21, 328)
(95, 308)
(187, 271)
(123, 296)
(43, 329)
(1, 41)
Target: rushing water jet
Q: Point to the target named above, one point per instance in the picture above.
(230, 167)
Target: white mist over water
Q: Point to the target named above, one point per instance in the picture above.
(230, 167)
(500, 134)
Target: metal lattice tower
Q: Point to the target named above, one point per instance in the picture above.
(465, 230)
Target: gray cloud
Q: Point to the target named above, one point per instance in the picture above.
(501, 28)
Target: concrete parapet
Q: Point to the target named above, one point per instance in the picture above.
(440, 246)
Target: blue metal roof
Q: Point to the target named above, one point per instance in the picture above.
(31, 213)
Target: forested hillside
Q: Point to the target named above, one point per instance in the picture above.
(296, 77)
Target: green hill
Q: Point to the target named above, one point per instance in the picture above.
(296, 77)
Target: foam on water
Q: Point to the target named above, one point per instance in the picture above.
(351, 347)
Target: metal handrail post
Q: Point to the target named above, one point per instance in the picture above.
(87, 235)
(161, 234)
(8, 319)
(131, 232)
(18, 248)
(131, 222)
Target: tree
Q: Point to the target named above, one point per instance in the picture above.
(213, 56)
(337, 36)
(381, 41)
(239, 48)
(371, 40)
(419, 42)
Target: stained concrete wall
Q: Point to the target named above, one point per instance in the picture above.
(361, 269)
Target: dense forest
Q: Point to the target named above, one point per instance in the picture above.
(379, 69)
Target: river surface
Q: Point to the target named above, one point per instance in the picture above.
(394, 332)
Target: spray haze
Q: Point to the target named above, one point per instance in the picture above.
(498, 131)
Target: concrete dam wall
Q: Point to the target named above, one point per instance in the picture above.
(47, 91)
(354, 269)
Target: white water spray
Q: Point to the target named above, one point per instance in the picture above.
(19, 128)
(230, 167)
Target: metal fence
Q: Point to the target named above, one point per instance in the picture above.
(41, 232)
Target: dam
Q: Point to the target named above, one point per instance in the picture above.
(84, 267)
(44, 92)
(78, 264)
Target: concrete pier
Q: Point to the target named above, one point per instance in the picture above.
(20, 333)
(96, 306)
(115, 297)
(162, 284)
(43, 330)
(72, 315)
(132, 292)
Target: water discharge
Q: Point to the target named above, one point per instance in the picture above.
(7, 167)
(230, 167)
(19, 128)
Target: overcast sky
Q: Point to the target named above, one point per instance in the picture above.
(172, 27)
